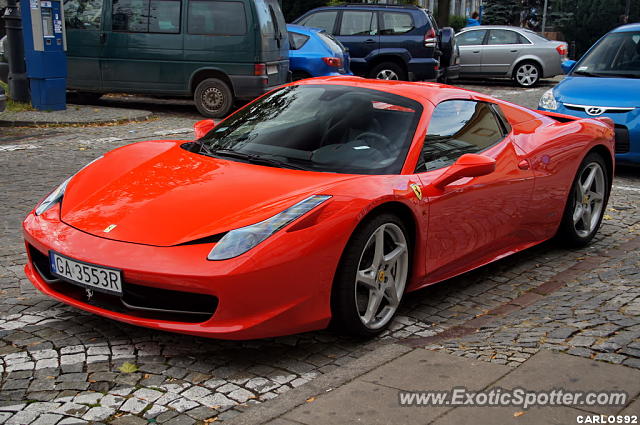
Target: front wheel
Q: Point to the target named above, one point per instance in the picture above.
(586, 203)
(213, 98)
(371, 277)
(527, 74)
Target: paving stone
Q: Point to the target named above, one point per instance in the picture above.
(98, 413)
(134, 405)
(182, 404)
(148, 394)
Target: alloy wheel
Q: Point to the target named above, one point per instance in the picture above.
(381, 276)
(527, 74)
(387, 74)
(589, 194)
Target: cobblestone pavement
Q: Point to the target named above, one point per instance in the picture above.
(60, 365)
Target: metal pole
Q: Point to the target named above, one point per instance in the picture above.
(627, 11)
(544, 16)
(18, 83)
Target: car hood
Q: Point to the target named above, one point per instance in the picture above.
(595, 91)
(157, 193)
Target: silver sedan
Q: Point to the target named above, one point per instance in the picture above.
(509, 52)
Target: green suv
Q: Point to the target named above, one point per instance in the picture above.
(217, 51)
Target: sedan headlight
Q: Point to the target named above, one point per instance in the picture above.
(239, 241)
(56, 196)
(548, 101)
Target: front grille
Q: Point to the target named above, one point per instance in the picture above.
(137, 300)
(622, 139)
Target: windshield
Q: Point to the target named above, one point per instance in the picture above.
(616, 55)
(330, 128)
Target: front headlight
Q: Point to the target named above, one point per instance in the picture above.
(56, 196)
(53, 198)
(548, 101)
(241, 240)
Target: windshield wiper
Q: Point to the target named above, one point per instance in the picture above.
(255, 159)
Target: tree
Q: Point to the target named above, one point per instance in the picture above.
(502, 12)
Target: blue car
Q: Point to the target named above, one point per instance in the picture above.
(605, 82)
(314, 53)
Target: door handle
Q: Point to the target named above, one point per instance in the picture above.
(103, 37)
(370, 41)
(476, 51)
(514, 51)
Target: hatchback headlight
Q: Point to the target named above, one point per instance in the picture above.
(239, 241)
(548, 101)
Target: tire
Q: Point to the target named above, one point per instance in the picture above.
(527, 74)
(388, 71)
(574, 232)
(213, 98)
(299, 75)
(350, 299)
(447, 44)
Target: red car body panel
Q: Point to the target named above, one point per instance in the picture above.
(162, 197)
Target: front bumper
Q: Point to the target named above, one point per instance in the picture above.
(272, 290)
(627, 130)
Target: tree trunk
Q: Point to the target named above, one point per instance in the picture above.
(444, 7)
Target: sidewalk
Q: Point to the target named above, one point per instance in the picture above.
(363, 393)
(73, 115)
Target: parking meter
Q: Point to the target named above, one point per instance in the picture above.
(45, 48)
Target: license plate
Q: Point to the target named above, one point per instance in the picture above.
(103, 279)
(272, 69)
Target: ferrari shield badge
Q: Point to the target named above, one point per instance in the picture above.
(109, 228)
(417, 191)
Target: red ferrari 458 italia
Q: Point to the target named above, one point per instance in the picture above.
(320, 203)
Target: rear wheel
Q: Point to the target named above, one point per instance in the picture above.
(527, 74)
(371, 278)
(586, 203)
(388, 71)
(213, 98)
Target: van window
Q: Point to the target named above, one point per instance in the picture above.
(157, 16)
(216, 17)
(271, 19)
(83, 14)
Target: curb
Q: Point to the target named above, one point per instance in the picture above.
(382, 353)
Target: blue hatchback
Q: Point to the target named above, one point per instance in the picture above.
(314, 53)
(605, 82)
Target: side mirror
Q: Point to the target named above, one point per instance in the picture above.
(201, 128)
(468, 165)
(567, 66)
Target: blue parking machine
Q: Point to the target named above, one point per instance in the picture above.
(45, 45)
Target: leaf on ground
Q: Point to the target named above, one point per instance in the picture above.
(128, 368)
(311, 399)
(607, 217)
(518, 414)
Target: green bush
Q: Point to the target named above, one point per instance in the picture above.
(457, 22)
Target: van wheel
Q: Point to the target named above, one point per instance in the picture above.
(388, 71)
(213, 98)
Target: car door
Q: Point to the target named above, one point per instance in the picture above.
(470, 43)
(501, 50)
(473, 220)
(83, 23)
(143, 50)
(358, 32)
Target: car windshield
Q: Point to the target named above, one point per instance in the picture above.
(616, 55)
(330, 128)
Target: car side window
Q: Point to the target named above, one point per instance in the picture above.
(296, 40)
(207, 17)
(396, 23)
(359, 23)
(470, 38)
(459, 127)
(323, 20)
(504, 37)
(164, 16)
(83, 14)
